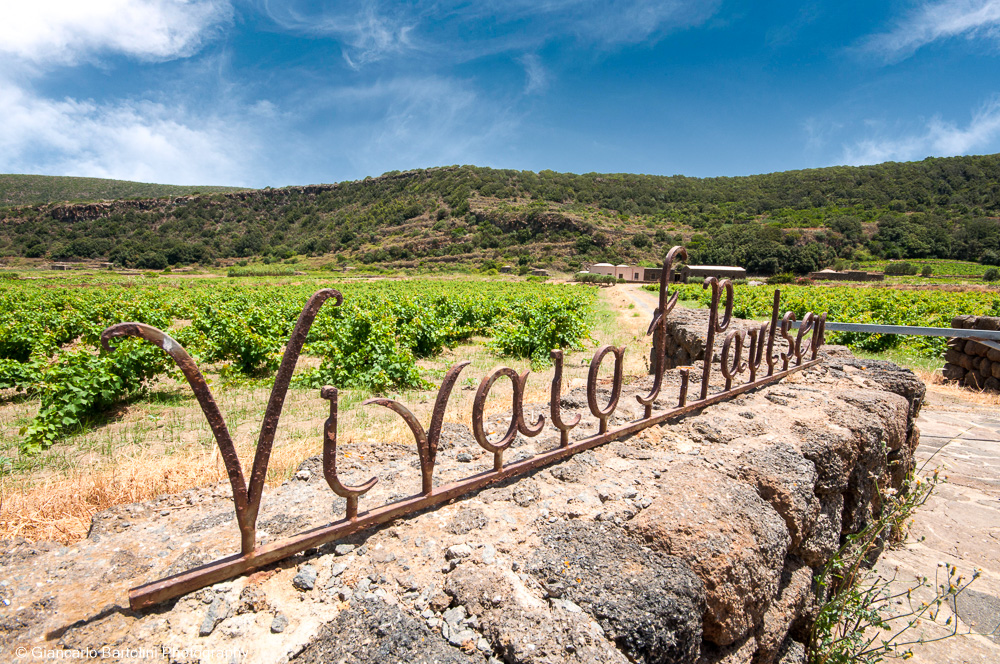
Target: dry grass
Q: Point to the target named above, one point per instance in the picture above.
(57, 505)
(163, 445)
(60, 508)
(953, 392)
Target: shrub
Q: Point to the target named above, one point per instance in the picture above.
(365, 350)
(639, 241)
(532, 331)
(901, 268)
(151, 260)
(926, 271)
(591, 278)
(989, 257)
(785, 278)
(992, 274)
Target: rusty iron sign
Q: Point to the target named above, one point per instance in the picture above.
(799, 352)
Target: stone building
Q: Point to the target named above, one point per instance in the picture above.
(631, 273)
(702, 272)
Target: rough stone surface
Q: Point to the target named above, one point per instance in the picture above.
(791, 606)
(601, 558)
(733, 540)
(373, 632)
(786, 480)
(458, 552)
(467, 520)
(306, 578)
(218, 611)
(824, 536)
(279, 623)
(651, 607)
(252, 600)
(523, 627)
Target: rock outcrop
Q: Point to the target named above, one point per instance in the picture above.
(693, 542)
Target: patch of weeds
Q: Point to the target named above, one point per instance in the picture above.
(864, 618)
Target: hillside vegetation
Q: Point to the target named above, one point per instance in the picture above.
(482, 218)
(36, 189)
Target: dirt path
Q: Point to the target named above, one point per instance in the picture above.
(644, 300)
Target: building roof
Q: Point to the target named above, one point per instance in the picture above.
(602, 265)
(714, 267)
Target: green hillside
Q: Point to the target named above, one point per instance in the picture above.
(36, 189)
(479, 217)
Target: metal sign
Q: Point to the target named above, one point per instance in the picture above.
(761, 364)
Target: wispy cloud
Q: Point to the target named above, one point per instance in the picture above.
(66, 32)
(394, 123)
(938, 138)
(538, 76)
(144, 141)
(459, 30)
(367, 32)
(933, 21)
(612, 22)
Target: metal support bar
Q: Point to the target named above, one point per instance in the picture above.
(989, 338)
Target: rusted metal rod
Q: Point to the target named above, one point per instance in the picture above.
(247, 499)
(225, 568)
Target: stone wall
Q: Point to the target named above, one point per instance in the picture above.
(686, 336)
(972, 363)
(694, 542)
(847, 275)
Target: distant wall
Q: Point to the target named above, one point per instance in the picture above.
(700, 272)
(848, 275)
(972, 363)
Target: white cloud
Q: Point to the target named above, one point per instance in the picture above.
(68, 31)
(538, 77)
(398, 123)
(613, 22)
(934, 21)
(938, 138)
(143, 141)
(367, 33)
(458, 30)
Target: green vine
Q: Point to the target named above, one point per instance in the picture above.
(863, 618)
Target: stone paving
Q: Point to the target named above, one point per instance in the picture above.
(959, 524)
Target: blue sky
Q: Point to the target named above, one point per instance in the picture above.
(272, 92)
